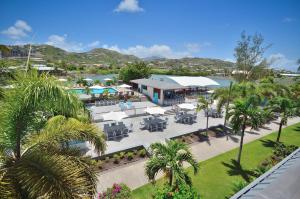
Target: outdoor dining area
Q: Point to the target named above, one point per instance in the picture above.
(183, 116)
(155, 122)
(116, 129)
(213, 113)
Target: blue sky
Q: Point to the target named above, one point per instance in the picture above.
(167, 28)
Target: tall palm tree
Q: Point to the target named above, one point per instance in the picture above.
(169, 158)
(24, 112)
(285, 107)
(243, 113)
(204, 104)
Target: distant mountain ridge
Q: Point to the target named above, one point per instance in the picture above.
(105, 56)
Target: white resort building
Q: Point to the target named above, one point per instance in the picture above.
(172, 89)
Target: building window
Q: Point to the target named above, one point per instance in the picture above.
(144, 87)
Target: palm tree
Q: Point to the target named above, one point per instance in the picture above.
(285, 107)
(204, 104)
(169, 158)
(47, 167)
(298, 62)
(244, 113)
(25, 110)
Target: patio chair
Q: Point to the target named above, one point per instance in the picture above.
(130, 128)
(125, 132)
(118, 132)
(167, 120)
(120, 123)
(110, 135)
(113, 124)
(160, 126)
(105, 127)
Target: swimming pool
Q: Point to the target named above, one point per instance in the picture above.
(93, 91)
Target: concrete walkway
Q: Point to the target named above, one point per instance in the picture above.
(134, 174)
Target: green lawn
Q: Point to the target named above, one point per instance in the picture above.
(216, 175)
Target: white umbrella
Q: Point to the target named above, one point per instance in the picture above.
(96, 87)
(155, 110)
(62, 80)
(88, 79)
(210, 91)
(124, 86)
(107, 79)
(116, 116)
(186, 106)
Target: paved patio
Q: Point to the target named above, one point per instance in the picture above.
(144, 138)
(134, 174)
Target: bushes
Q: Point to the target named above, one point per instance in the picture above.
(122, 155)
(129, 156)
(117, 191)
(142, 153)
(279, 153)
(183, 191)
(116, 159)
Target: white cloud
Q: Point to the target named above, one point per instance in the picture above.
(71, 46)
(280, 61)
(129, 6)
(151, 51)
(94, 44)
(19, 30)
(195, 47)
(192, 47)
(288, 20)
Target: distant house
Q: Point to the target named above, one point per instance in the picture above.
(41, 68)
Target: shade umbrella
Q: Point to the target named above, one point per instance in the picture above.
(155, 110)
(107, 79)
(96, 87)
(210, 91)
(187, 106)
(88, 79)
(116, 116)
(124, 86)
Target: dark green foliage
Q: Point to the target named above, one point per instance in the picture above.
(135, 70)
(183, 191)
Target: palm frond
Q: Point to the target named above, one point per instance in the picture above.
(60, 129)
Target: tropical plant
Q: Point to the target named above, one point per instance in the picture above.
(243, 113)
(239, 185)
(40, 170)
(169, 158)
(34, 152)
(117, 191)
(249, 57)
(135, 70)
(285, 107)
(204, 104)
(182, 192)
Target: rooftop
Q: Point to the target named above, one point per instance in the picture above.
(157, 84)
(282, 181)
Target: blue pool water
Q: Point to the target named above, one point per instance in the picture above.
(93, 91)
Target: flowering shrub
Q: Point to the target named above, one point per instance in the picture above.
(183, 191)
(117, 191)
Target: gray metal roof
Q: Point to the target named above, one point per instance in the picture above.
(280, 182)
(154, 83)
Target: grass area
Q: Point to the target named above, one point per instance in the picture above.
(217, 175)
